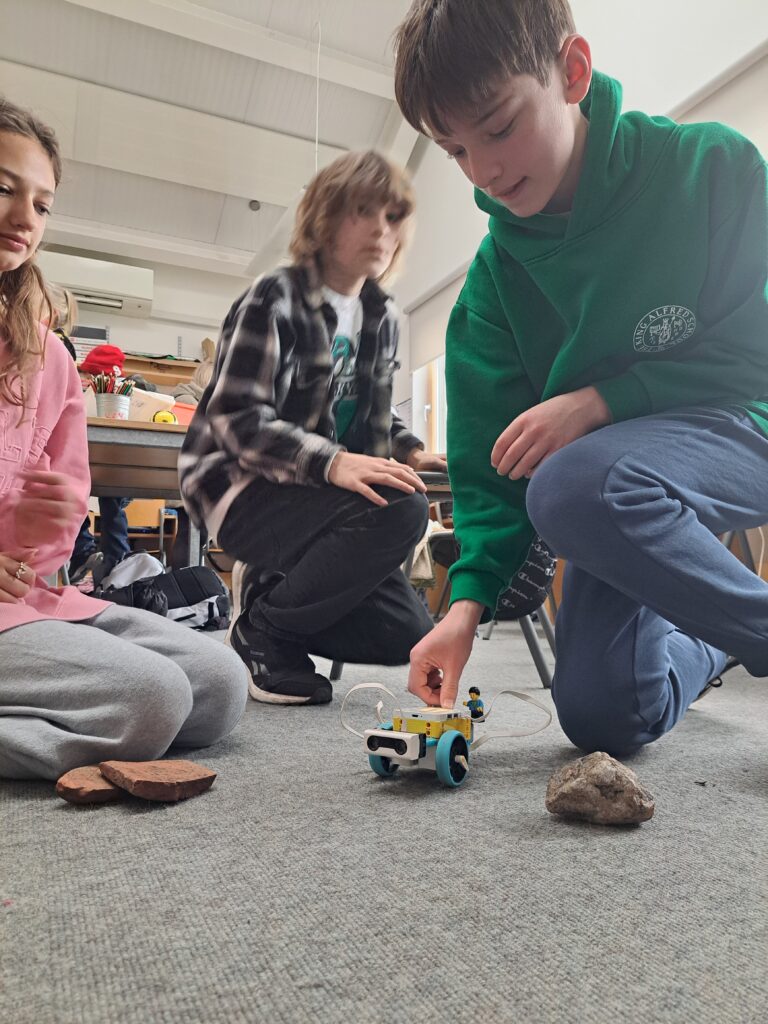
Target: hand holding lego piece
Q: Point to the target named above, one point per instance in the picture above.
(438, 660)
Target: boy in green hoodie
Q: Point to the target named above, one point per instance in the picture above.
(606, 367)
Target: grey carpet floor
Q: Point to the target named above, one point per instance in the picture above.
(302, 888)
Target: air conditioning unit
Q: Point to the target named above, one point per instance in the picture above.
(97, 284)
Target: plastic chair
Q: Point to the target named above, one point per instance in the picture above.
(150, 526)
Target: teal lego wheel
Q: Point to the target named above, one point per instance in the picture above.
(450, 746)
(383, 766)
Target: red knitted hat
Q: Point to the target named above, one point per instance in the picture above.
(104, 359)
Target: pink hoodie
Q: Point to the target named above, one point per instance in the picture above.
(51, 436)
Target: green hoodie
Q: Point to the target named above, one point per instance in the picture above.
(653, 289)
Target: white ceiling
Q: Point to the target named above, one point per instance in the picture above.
(172, 115)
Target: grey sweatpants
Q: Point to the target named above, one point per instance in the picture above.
(126, 684)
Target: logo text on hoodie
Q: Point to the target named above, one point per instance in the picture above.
(664, 328)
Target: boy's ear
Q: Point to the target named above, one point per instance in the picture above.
(576, 64)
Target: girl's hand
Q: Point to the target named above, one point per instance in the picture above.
(16, 579)
(47, 506)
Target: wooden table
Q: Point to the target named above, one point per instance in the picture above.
(438, 486)
(138, 460)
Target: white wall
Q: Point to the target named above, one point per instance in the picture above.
(187, 304)
(742, 103)
(449, 227)
(663, 56)
(666, 51)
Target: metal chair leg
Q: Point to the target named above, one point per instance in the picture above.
(529, 632)
(489, 629)
(546, 628)
(336, 668)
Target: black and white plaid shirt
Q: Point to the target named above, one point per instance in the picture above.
(268, 410)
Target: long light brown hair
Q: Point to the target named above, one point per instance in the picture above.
(351, 181)
(21, 289)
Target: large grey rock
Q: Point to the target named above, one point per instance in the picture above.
(599, 789)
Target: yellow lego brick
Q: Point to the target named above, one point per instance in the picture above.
(434, 728)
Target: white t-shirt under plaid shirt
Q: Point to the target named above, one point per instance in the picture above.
(344, 348)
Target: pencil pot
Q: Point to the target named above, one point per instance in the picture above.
(113, 407)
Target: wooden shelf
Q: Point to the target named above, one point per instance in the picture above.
(166, 373)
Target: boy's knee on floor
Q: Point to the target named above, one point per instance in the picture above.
(613, 734)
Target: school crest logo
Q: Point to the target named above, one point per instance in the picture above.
(664, 328)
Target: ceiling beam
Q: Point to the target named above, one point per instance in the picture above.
(397, 138)
(236, 35)
(91, 237)
(110, 128)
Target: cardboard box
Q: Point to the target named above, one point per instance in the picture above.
(144, 404)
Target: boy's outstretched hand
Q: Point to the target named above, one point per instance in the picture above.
(546, 428)
(362, 473)
(438, 659)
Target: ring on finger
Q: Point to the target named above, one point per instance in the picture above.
(20, 571)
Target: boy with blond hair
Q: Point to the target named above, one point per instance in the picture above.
(287, 460)
(606, 365)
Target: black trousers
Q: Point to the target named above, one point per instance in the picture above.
(344, 595)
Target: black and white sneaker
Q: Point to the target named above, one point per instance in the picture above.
(92, 564)
(238, 572)
(281, 671)
(717, 682)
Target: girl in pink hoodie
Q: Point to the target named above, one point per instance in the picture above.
(81, 680)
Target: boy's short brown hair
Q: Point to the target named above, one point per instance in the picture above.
(451, 53)
(352, 181)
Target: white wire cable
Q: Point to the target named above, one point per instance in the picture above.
(504, 734)
(379, 716)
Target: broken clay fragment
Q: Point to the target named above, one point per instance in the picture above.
(599, 789)
(159, 780)
(87, 786)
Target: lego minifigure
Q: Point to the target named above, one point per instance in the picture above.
(475, 705)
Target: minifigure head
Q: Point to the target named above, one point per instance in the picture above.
(497, 83)
(474, 693)
(353, 217)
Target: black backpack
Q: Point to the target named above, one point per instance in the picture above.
(194, 596)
